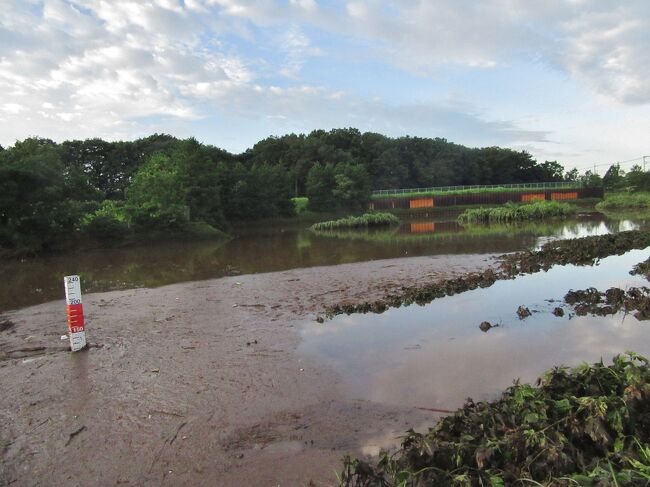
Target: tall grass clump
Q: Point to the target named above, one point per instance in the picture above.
(586, 426)
(625, 201)
(511, 212)
(364, 221)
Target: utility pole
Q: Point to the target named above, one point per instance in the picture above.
(644, 158)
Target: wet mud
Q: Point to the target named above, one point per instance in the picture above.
(196, 383)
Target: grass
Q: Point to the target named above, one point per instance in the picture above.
(586, 426)
(416, 194)
(300, 204)
(511, 212)
(364, 221)
(624, 201)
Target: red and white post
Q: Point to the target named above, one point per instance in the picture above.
(75, 312)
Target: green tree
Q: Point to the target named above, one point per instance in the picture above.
(638, 179)
(321, 182)
(199, 179)
(156, 197)
(37, 204)
(614, 178)
(591, 180)
(352, 188)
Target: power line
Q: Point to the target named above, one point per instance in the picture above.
(641, 159)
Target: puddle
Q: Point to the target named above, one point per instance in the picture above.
(435, 356)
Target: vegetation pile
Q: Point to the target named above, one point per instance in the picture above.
(586, 426)
(418, 294)
(625, 201)
(579, 251)
(511, 212)
(592, 301)
(642, 268)
(364, 221)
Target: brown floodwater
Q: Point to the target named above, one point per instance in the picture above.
(277, 246)
(435, 356)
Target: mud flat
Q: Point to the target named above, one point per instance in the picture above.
(197, 383)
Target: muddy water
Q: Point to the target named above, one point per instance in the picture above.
(275, 247)
(435, 356)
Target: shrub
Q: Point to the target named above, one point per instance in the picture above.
(104, 227)
(625, 201)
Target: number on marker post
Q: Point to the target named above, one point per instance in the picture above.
(75, 312)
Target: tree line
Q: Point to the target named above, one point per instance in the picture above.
(52, 192)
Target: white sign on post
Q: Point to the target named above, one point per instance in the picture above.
(75, 312)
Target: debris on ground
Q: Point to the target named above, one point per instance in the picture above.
(485, 326)
(591, 301)
(6, 325)
(577, 251)
(642, 268)
(523, 312)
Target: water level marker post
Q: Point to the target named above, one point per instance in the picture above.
(74, 310)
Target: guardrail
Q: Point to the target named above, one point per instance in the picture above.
(442, 189)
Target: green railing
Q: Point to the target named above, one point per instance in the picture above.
(444, 189)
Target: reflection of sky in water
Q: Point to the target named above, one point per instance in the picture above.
(436, 356)
(586, 230)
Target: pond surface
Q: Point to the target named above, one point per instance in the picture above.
(277, 246)
(435, 356)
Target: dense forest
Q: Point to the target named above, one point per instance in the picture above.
(158, 185)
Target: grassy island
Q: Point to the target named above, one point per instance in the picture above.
(364, 221)
(511, 212)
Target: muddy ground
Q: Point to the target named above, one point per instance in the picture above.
(197, 383)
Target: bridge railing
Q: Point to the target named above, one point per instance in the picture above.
(443, 189)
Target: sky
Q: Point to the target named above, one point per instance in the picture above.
(566, 80)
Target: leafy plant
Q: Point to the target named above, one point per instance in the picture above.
(586, 426)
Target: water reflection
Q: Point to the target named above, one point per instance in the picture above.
(435, 356)
(274, 247)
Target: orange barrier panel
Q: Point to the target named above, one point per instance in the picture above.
(533, 197)
(426, 227)
(421, 203)
(564, 196)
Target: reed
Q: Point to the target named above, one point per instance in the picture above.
(511, 212)
(364, 221)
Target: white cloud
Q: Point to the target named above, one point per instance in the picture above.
(601, 43)
(82, 68)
